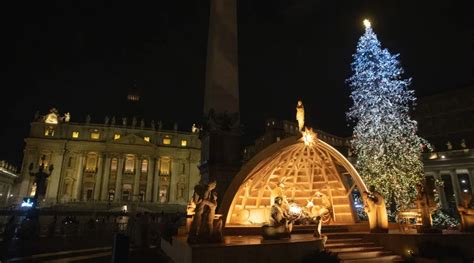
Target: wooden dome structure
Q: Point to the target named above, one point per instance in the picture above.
(311, 175)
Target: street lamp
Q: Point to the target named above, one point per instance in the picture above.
(40, 178)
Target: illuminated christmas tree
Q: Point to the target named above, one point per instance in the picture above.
(384, 139)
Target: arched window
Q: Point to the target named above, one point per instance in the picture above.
(91, 163)
(144, 166)
(113, 165)
(129, 164)
(165, 165)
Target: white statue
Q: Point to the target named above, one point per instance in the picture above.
(300, 114)
(449, 145)
(463, 144)
(67, 117)
(194, 129)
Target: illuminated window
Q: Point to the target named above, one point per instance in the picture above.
(144, 166)
(113, 165)
(129, 164)
(91, 162)
(75, 134)
(165, 163)
(146, 138)
(49, 131)
(116, 136)
(95, 135)
(167, 141)
(184, 143)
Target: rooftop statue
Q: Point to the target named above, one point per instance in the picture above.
(67, 117)
(300, 114)
(194, 129)
(52, 117)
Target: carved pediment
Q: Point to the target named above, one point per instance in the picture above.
(132, 139)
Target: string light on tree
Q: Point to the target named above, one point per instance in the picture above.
(384, 137)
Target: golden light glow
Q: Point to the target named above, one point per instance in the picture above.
(130, 163)
(116, 136)
(95, 135)
(75, 134)
(166, 141)
(309, 137)
(165, 163)
(184, 143)
(49, 131)
(367, 23)
(295, 209)
(146, 138)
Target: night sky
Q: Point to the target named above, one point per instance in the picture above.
(83, 58)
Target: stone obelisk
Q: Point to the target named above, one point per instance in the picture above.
(221, 148)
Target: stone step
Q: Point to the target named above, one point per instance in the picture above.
(343, 240)
(389, 258)
(364, 254)
(356, 249)
(344, 235)
(349, 244)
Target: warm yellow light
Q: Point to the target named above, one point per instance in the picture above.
(310, 204)
(184, 143)
(366, 23)
(146, 138)
(75, 134)
(116, 136)
(166, 141)
(95, 135)
(309, 137)
(295, 209)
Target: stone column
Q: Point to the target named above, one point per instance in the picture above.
(118, 180)
(79, 174)
(7, 198)
(471, 179)
(62, 176)
(156, 180)
(98, 177)
(441, 191)
(456, 186)
(136, 178)
(104, 195)
(149, 179)
(57, 159)
(174, 176)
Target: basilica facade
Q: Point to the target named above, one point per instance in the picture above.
(110, 163)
